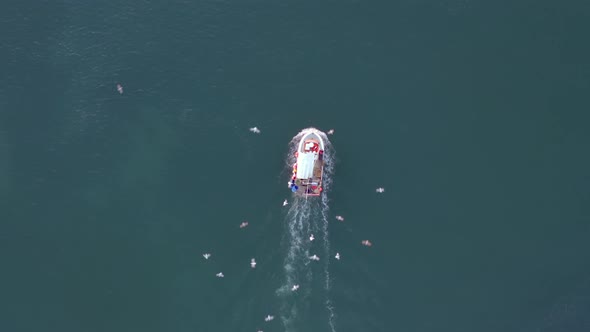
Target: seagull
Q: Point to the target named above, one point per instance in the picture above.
(207, 255)
(255, 130)
(285, 203)
(243, 224)
(380, 190)
(269, 318)
(366, 243)
(314, 258)
(337, 256)
(311, 238)
(219, 275)
(252, 263)
(295, 287)
(330, 132)
(340, 218)
(120, 89)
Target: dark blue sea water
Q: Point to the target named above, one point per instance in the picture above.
(472, 115)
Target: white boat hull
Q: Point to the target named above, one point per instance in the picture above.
(308, 170)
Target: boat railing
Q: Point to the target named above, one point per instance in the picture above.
(313, 182)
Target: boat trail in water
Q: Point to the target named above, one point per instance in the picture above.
(306, 216)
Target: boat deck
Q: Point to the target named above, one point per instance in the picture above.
(312, 146)
(317, 169)
(312, 186)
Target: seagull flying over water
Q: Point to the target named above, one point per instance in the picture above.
(255, 130)
(207, 255)
(311, 238)
(120, 89)
(219, 275)
(337, 256)
(243, 224)
(295, 287)
(314, 258)
(285, 203)
(252, 263)
(330, 132)
(339, 218)
(380, 190)
(269, 318)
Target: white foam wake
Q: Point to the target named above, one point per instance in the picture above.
(327, 184)
(304, 217)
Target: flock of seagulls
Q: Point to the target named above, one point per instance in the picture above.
(244, 224)
(314, 257)
(255, 130)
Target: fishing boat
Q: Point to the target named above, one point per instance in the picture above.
(306, 179)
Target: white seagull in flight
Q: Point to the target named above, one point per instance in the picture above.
(330, 132)
(219, 275)
(269, 318)
(285, 203)
(295, 287)
(253, 263)
(337, 256)
(207, 255)
(255, 130)
(380, 190)
(314, 258)
(311, 238)
(340, 218)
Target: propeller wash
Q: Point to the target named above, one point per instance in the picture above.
(310, 165)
